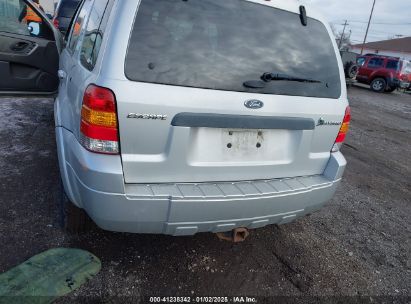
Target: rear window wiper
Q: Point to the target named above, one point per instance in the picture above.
(267, 77)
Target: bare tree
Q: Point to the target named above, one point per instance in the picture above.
(346, 38)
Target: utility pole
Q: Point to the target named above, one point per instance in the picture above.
(342, 35)
(368, 27)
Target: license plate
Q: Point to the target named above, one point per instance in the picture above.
(229, 146)
(243, 140)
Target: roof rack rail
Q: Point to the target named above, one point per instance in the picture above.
(380, 55)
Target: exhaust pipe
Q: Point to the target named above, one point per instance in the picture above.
(236, 235)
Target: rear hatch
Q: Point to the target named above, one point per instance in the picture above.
(195, 109)
(405, 74)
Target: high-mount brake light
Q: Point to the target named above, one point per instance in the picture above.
(99, 127)
(343, 131)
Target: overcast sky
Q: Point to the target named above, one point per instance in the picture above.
(391, 17)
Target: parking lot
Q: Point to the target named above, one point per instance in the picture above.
(358, 245)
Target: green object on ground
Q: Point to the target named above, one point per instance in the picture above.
(47, 276)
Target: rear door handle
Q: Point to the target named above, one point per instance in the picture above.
(62, 75)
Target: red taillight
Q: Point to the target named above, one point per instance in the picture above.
(343, 130)
(99, 128)
(56, 23)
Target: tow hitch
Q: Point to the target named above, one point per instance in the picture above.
(236, 235)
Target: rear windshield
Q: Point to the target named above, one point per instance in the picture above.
(67, 8)
(220, 45)
(406, 67)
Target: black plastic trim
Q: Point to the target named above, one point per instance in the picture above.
(303, 15)
(225, 121)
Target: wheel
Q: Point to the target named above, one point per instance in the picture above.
(378, 85)
(72, 219)
(351, 71)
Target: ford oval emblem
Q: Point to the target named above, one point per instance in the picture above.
(254, 104)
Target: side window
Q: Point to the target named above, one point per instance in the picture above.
(16, 17)
(375, 62)
(78, 25)
(360, 61)
(94, 33)
(393, 64)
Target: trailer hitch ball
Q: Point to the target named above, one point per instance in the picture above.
(236, 235)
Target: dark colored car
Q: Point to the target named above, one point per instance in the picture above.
(65, 11)
(383, 73)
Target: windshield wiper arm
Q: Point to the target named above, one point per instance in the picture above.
(267, 77)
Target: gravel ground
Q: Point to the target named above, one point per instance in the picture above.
(359, 245)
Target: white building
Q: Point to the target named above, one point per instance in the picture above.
(400, 47)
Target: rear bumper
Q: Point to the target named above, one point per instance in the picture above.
(95, 182)
(396, 83)
(404, 85)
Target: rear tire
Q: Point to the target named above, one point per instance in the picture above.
(72, 219)
(378, 85)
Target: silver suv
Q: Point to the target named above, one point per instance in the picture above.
(179, 117)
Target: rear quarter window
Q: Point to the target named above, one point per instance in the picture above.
(393, 64)
(78, 25)
(219, 45)
(93, 36)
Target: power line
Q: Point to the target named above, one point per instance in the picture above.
(372, 31)
(382, 23)
(377, 23)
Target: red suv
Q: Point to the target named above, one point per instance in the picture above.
(384, 73)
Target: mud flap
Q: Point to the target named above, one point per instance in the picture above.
(47, 276)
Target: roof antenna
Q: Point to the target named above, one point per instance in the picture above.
(303, 15)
